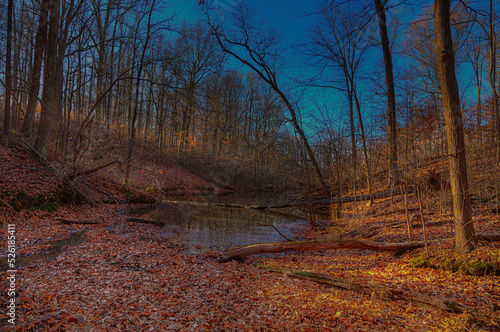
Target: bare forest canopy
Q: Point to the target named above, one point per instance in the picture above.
(97, 81)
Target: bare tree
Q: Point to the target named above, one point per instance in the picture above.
(255, 46)
(464, 227)
(136, 98)
(199, 57)
(34, 77)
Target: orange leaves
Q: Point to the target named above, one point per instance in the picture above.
(123, 276)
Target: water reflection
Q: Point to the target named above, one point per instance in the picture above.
(204, 229)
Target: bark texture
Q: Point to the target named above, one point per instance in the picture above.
(301, 246)
(464, 228)
(391, 95)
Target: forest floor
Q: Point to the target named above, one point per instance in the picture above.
(117, 275)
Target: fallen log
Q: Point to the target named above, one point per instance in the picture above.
(81, 222)
(388, 294)
(483, 200)
(488, 237)
(433, 223)
(224, 205)
(347, 199)
(78, 173)
(301, 246)
(145, 221)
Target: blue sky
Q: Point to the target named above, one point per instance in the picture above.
(287, 16)
(293, 18)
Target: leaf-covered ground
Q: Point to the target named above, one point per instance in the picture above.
(121, 276)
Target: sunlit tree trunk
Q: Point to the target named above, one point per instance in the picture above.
(464, 227)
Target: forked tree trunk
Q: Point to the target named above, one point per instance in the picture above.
(464, 227)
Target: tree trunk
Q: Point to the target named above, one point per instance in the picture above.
(391, 95)
(8, 72)
(464, 227)
(49, 93)
(136, 99)
(492, 42)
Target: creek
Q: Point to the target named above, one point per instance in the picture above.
(204, 228)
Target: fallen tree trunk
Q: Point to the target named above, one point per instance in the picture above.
(483, 200)
(78, 173)
(347, 199)
(225, 205)
(488, 237)
(301, 246)
(145, 221)
(71, 221)
(388, 294)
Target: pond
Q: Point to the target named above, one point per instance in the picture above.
(204, 228)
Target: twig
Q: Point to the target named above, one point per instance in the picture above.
(271, 225)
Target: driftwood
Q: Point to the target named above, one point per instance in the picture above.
(388, 294)
(145, 221)
(301, 246)
(81, 222)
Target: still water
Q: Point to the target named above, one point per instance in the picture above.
(201, 229)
